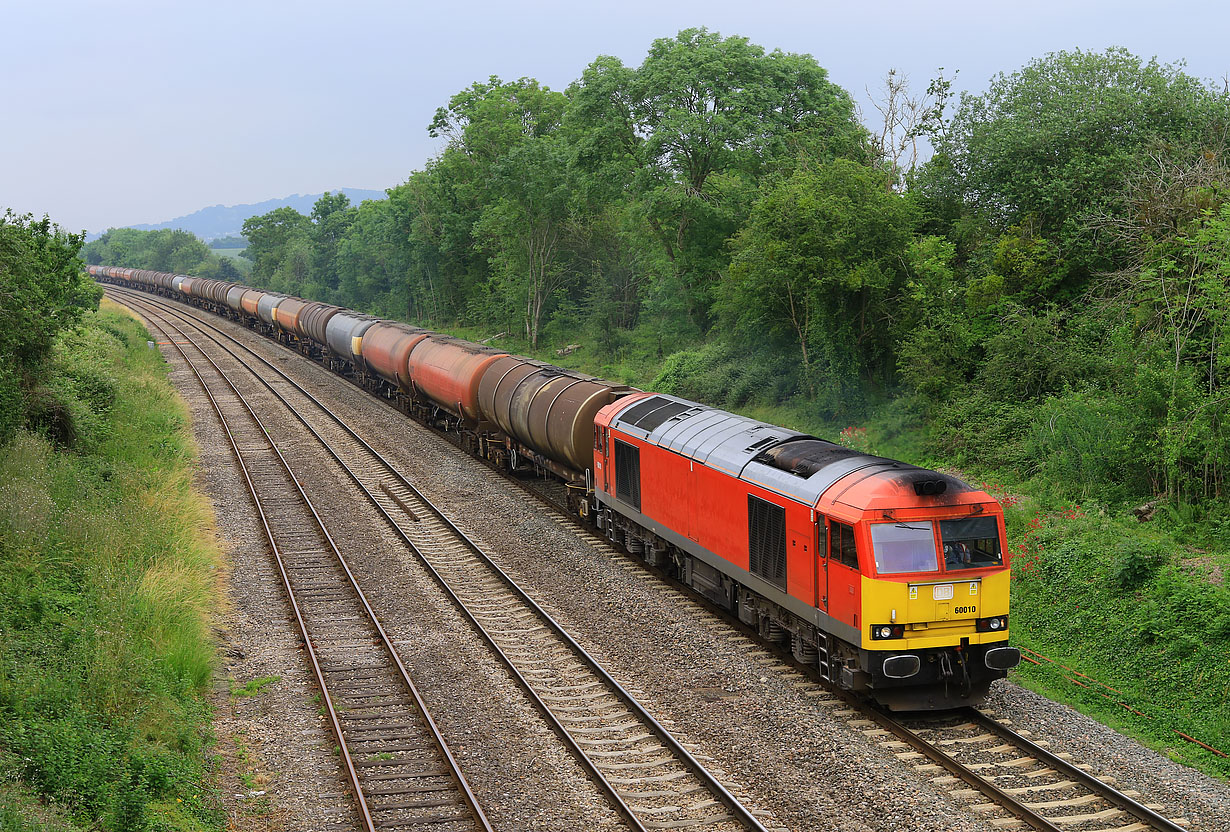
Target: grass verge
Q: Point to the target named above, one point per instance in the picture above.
(107, 589)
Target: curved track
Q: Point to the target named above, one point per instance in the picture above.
(400, 768)
(648, 775)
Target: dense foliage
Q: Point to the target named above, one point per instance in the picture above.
(42, 293)
(107, 588)
(163, 250)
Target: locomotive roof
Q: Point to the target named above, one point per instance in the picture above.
(793, 464)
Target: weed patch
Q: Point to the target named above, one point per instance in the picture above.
(253, 686)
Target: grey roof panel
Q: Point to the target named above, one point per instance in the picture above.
(700, 440)
(830, 474)
(703, 444)
(736, 450)
(677, 438)
(784, 483)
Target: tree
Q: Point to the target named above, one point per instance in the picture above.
(485, 121)
(821, 259)
(331, 216)
(527, 224)
(269, 236)
(43, 291)
(905, 120)
(692, 130)
(1050, 144)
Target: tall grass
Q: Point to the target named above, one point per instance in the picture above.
(107, 587)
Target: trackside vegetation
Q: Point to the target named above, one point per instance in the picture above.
(107, 587)
(1042, 303)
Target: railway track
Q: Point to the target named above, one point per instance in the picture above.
(398, 765)
(1012, 780)
(647, 774)
(1001, 773)
(1005, 776)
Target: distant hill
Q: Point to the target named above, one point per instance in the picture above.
(227, 220)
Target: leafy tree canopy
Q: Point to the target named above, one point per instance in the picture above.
(694, 127)
(270, 236)
(1050, 145)
(43, 291)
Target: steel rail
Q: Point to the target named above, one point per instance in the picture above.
(1104, 790)
(950, 764)
(365, 810)
(740, 812)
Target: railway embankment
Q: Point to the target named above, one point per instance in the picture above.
(107, 595)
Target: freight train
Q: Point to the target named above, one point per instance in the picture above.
(889, 579)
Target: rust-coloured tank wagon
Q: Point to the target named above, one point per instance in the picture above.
(234, 297)
(448, 370)
(386, 351)
(545, 407)
(314, 321)
(889, 579)
(250, 302)
(286, 315)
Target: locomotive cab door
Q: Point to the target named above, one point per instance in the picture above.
(822, 563)
(844, 577)
(605, 433)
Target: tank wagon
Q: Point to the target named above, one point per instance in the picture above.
(890, 579)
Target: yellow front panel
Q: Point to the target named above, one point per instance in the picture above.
(930, 619)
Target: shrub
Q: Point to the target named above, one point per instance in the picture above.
(1136, 562)
(724, 375)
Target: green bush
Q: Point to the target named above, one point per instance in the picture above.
(724, 375)
(1089, 444)
(1136, 563)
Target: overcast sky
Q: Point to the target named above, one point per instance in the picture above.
(131, 111)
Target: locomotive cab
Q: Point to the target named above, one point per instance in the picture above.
(935, 603)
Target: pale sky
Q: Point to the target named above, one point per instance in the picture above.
(133, 111)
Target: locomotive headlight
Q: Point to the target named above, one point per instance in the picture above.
(886, 632)
(992, 625)
(883, 631)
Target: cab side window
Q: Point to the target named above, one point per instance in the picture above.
(841, 544)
